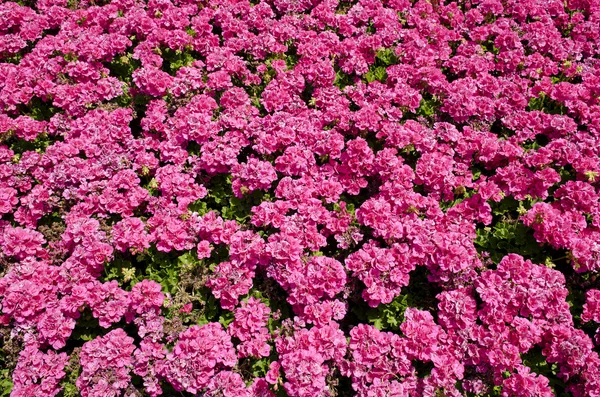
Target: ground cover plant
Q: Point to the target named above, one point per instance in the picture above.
(299, 198)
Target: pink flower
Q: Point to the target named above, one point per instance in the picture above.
(146, 296)
(8, 199)
(38, 373)
(253, 175)
(106, 363)
(191, 366)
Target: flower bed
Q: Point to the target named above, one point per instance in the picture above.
(299, 198)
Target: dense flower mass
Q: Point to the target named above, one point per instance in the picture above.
(300, 198)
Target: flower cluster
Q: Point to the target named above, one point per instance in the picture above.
(197, 357)
(250, 328)
(106, 364)
(38, 373)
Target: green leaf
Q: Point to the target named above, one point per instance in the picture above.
(260, 367)
(350, 208)
(226, 318)
(389, 316)
(212, 308)
(387, 57)
(187, 259)
(377, 323)
(428, 107)
(199, 206)
(342, 79)
(6, 384)
(379, 73)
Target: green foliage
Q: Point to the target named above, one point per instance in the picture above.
(240, 209)
(488, 46)
(371, 28)
(222, 200)
(69, 390)
(199, 206)
(507, 237)
(20, 146)
(190, 30)
(226, 318)
(211, 312)
(40, 110)
(509, 207)
(342, 79)
(291, 55)
(123, 66)
(547, 105)
(535, 360)
(386, 57)
(69, 387)
(376, 73)
(429, 106)
(14, 59)
(499, 129)
(418, 294)
(219, 192)
(271, 294)
(390, 316)
(577, 284)
(252, 368)
(260, 367)
(176, 59)
(307, 94)
(344, 6)
(70, 57)
(125, 100)
(117, 269)
(423, 368)
(495, 391)
(6, 383)
(37, 110)
(460, 193)
(164, 268)
(350, 207)
(86, 329)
